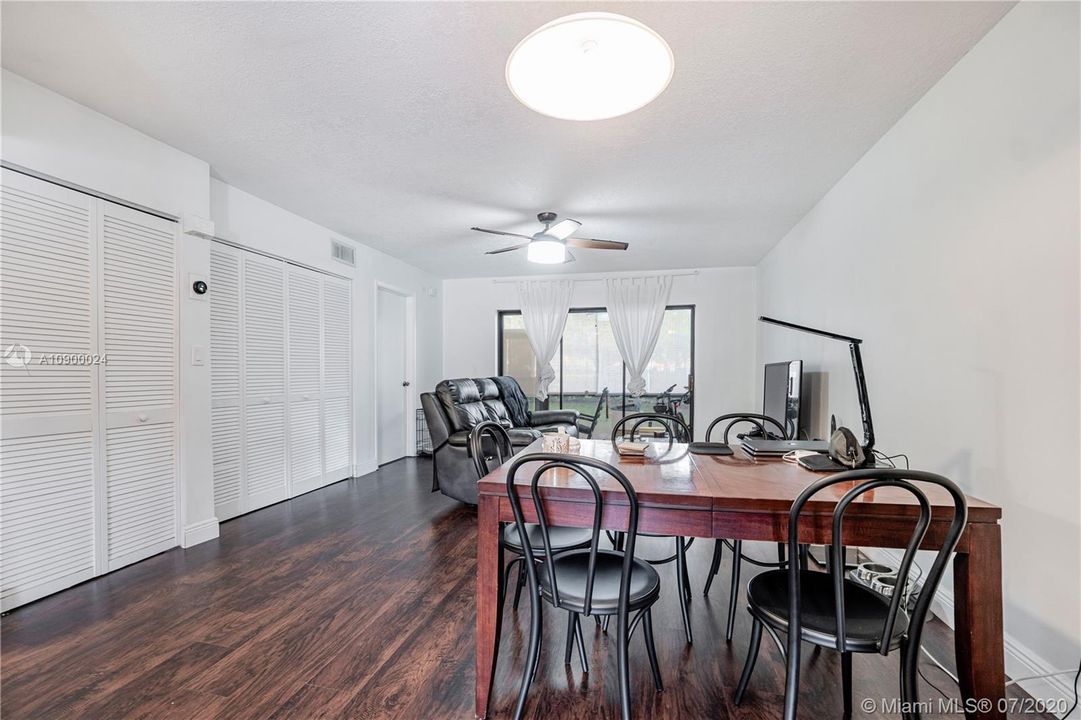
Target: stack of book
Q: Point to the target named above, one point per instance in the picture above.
(631, 448)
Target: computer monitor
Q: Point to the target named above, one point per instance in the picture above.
(782, 395)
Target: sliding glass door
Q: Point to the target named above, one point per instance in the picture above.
(588, 362)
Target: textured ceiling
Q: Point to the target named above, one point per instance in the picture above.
(391, 123)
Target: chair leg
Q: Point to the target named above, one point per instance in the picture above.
(570, 638)
(686, 575)
(681, 574)
(715, 564)
(581, 644)
(533, 655)
(540, 627)
(604, 625)
(791, 677)
(733, 595)
(804, 556)
(506, 580)
(752, 656)
(909, 662)
(846, 682)
(519, 585)
(651, 649)
(780, 554)
(623, 640)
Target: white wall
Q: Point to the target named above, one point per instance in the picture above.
(952, 249)
(254, 223)
(50, 134)
(724, 300)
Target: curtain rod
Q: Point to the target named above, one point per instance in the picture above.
(594, 277)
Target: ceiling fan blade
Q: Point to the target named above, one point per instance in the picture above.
(500, 232)
(506, 249)
(570, 258)
(596, 244)
(563, 229)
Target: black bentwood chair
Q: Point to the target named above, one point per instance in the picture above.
(590, 581)
(675, 430)
(489, 441)
(588, 423)
(764, 424)
(830, 611)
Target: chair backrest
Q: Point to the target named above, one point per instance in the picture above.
(596, 416)
(867, 480)
(588, 470)
(499, 444)
(675, 426)
(762, 422)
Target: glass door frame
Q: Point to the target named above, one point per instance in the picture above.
(502, 314)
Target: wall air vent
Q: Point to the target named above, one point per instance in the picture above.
(343, 253)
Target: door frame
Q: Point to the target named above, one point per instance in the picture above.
(410, 410)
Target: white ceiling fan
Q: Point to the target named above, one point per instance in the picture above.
(549, 246)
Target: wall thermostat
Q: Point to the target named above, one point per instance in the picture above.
(197, 287)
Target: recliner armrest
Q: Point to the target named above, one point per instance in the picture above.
(438, 425)
(553, 417)
(459, 439)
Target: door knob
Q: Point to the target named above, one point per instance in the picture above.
(405, 383)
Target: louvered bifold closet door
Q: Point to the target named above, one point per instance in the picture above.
(139, 341)
(304, 352)
(46, 410)
(263, 347)
(226, 381)
(337, 383)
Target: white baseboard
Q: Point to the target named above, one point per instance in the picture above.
(1021, 661)
(200, 532)
(365, 468)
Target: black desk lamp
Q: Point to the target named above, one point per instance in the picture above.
(857, 368)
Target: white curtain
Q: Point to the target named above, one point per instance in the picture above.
(545, 304)
(636, 309)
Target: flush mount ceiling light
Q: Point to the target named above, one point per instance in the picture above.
(590, 66)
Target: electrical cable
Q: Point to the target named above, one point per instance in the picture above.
(941, 667)
(1014, 681)
(1074, 706)
(928, 681)
(1077, 673)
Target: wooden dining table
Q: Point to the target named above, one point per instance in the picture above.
(738, 497)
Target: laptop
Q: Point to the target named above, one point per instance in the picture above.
(761, 447)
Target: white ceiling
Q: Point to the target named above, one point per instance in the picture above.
(391, 123)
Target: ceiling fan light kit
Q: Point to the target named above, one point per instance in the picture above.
(549, 246)
(590, 66)
(546, 252)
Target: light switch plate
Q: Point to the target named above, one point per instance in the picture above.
(198, 355)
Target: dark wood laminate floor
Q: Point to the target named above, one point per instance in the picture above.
(356, 601)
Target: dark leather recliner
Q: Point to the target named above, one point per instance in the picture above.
(458, 405)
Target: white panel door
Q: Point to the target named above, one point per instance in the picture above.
(303, 356)
(47, 262)
(390, 376)
(139, 342)
(226, 381)
(337, 383)
(263, 344)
